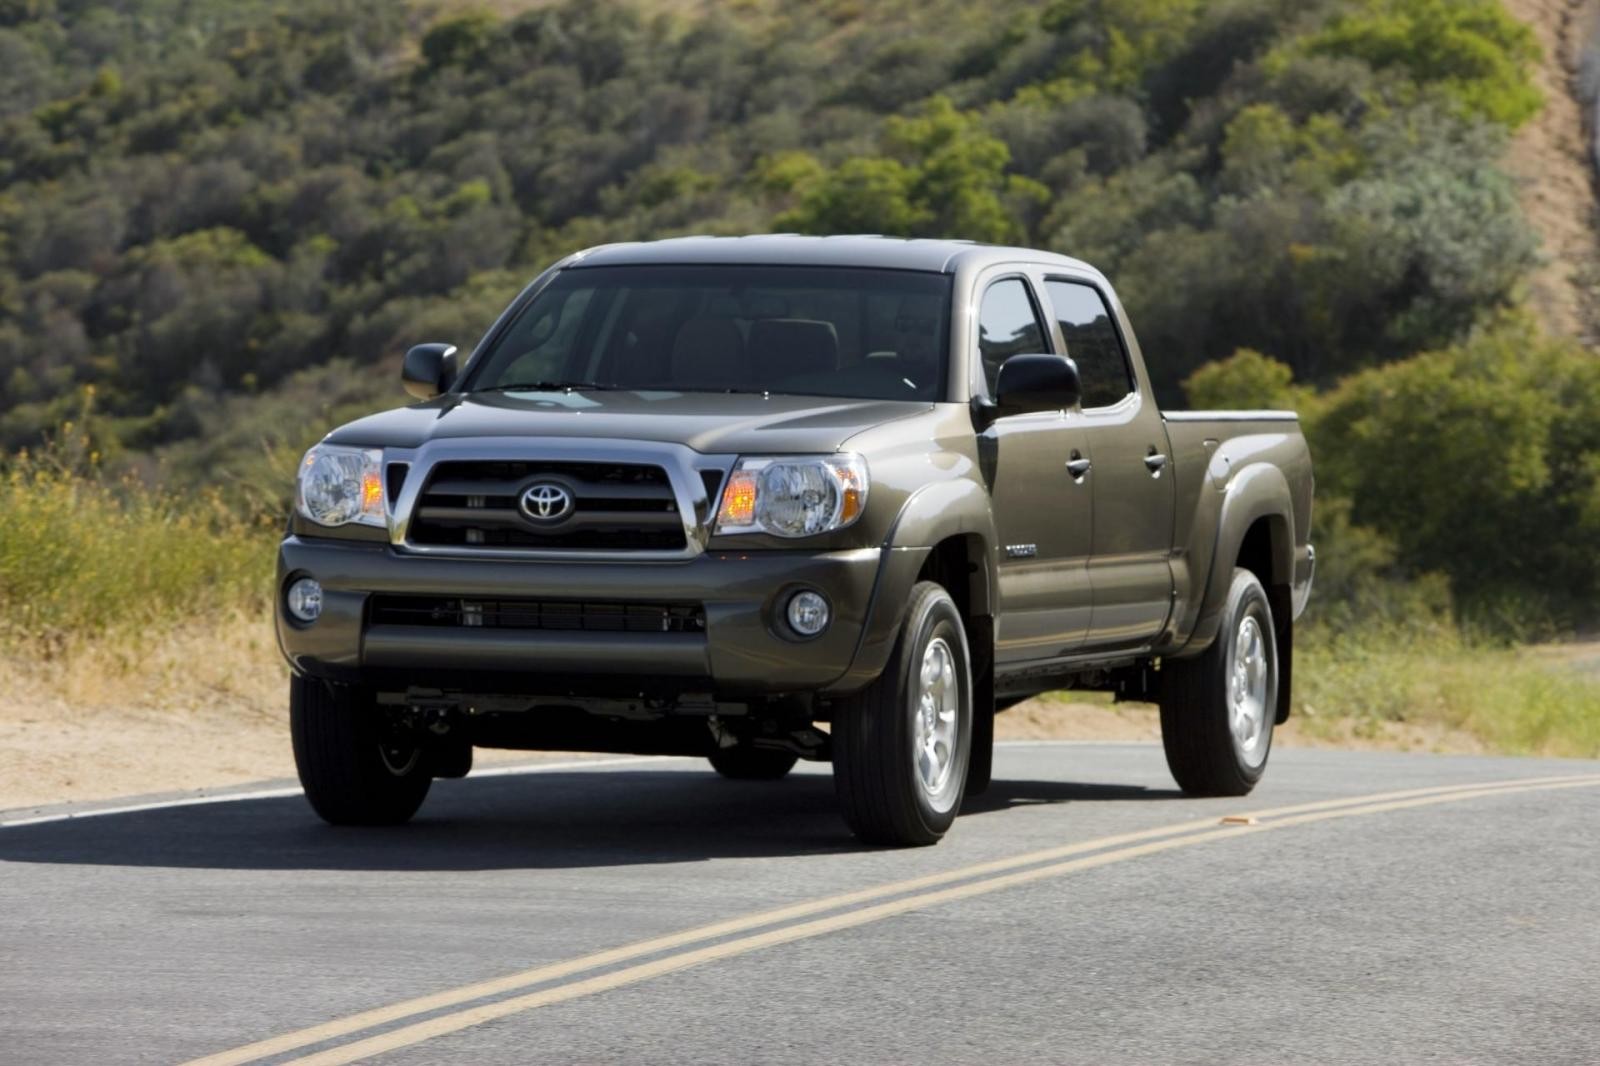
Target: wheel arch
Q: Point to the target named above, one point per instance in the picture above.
(954, 521)
(1255, 531)
(945, 533)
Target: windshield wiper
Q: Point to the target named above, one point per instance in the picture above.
(549, 386)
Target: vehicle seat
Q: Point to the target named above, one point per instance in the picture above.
(708, 353)
(793, 347)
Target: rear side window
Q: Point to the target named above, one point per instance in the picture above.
(1007, 325)
(1092, 342)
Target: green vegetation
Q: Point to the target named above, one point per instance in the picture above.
(83, 556)
(1362, 683)
(190, 217)
(229, 233)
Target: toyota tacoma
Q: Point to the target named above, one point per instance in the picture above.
(762, 499)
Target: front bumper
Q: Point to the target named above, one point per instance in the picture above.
(743, 650)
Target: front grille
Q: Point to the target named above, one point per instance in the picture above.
(603, 617)
(615, 507)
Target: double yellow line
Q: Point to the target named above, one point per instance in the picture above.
(722, 940)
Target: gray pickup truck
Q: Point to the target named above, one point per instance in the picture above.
(761, 499)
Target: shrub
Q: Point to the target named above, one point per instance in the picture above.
(1483, 461)
(82, 555)
(1471, 51)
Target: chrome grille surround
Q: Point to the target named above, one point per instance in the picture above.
(684, 467)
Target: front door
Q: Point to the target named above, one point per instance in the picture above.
(1036, 465)
(1130, 569)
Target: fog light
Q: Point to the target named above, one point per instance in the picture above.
(304, 600)
(808, 613)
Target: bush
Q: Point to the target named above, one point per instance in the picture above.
(1481, 461)
(82, 556)
(1472, 52)
(1245, 381)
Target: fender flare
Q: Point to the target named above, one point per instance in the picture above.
(958, 507)
(1258, 491)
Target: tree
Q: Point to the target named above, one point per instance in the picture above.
(944, 176)
(1471, 51)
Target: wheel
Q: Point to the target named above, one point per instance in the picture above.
(352, 772)
(900, 746)
(1217, 709)
(753, 764)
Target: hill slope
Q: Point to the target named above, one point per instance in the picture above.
(1552, 160)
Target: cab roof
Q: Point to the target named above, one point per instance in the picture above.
(790, 249)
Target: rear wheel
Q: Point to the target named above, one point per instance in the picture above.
(744, 763)
(354, 769)
(900, 747)
(1217, 710)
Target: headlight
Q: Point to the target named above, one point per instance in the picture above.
(793, 496)
(341, 485)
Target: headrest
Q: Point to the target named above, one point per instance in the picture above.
(708, 352)
(791, 347)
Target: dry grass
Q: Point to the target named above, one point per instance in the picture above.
(84, 558)
(1515, 701)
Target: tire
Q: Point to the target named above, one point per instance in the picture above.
(1217, 710)
(980, 753)
(891, 790)
(349, 775)
(744, 763)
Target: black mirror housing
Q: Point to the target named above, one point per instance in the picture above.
(1037, 383)
(429, 370)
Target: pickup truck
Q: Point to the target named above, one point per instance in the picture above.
(761, 499)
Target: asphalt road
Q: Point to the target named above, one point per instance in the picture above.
(1382, 908)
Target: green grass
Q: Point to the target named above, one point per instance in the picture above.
(86, 558)
(1434, 676)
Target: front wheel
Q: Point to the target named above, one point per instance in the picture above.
(1217, 709)
(900, 747)
(354, 771)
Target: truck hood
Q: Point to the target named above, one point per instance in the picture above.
(707, 422)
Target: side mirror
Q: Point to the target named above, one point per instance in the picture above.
(1031, 383)
(429, 369)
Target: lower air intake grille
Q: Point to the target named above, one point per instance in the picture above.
(538, 614)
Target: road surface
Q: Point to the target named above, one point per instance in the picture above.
(1358, 907)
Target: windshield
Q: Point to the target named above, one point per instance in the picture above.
(863, 334)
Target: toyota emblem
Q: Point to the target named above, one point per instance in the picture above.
(546, 502)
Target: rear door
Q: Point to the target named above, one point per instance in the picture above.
(1130, 571)
(1042, 509)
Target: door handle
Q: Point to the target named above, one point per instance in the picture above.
(1155, 462)
(1078, 466)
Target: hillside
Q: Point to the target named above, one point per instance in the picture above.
(216, 242)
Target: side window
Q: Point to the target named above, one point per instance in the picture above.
(1007, 326)
(1092, 342)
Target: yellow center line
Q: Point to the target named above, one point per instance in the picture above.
(497, 986)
